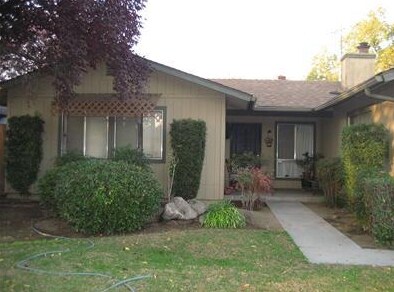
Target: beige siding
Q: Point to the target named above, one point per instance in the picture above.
(182, 99)
(331, 135)
(268, 153)
(384, 114)
(185, 100)
(380, 114)
(38, 101)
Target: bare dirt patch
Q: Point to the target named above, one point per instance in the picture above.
(345, 222)
(17, 218)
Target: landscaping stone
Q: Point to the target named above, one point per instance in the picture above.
(198, 206)
(179, 209)
(187, 211)
(171, 212)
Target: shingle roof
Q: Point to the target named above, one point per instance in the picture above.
(285, 93)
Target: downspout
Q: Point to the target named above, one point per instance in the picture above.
(252, 103)
(368, 93)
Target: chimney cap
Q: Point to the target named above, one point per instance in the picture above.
(363, 48)
(281, 77)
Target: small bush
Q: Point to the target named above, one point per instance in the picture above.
(132, 156)
(46, 189)
(245, 160)
(24, 151)
(106, 196)
(362, 203)
(330, 175)
(223, 215)
(188, 145)
(253, 182)
(68, 157)
(363, 146)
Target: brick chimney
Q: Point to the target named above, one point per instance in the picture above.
(357, 67)
(281, 77)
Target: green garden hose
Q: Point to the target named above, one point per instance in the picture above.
(24, 264)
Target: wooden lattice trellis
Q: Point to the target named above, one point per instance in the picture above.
(109, 107)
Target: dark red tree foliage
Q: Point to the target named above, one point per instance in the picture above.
(66, 37)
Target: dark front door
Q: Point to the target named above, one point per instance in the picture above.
(245, 138)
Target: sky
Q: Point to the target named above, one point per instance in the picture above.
(251, 39)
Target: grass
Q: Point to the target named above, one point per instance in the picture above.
(198, 260)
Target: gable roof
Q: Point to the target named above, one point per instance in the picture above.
(234, 93)
(286, 94)
(211, 84)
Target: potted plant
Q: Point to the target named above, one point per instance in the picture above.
(241, 161)
(308, 170)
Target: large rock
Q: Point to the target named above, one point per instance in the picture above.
(198, 206)
(178, 208)
(171, 212)
(187, 211)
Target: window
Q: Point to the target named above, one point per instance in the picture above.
(244, 138)
(293, 140)
(152, 135)
(99, 136)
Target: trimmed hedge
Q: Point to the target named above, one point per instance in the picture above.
(223, 215)
(330, 175)
(24, 151)
(363, 146)
(377, 210)
(362, 205)
(188, 145)
(102, 197)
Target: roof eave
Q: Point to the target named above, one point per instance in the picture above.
(385, 76)
(283, 109)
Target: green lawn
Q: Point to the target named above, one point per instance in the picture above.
(195, 260)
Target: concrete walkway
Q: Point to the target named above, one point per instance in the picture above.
(320, 242)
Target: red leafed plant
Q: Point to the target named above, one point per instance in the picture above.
(253, 182)
(66, 37)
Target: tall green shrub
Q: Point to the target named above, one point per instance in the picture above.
(379, 201)
(24, 151)
(363, 146)
(188, 145)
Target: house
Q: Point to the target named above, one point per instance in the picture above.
(300, 116)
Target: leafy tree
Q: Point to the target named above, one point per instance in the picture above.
(378, 33)
(66, 37)
(375, 30)
(325, 66)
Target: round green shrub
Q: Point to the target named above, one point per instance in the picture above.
(223, 215)
(132, 156)
(68, 157)
(106, 196)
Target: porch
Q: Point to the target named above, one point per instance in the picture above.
(283, 195)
